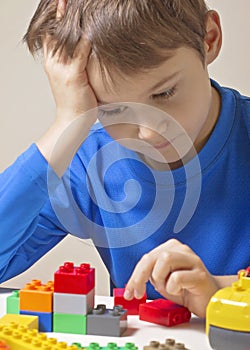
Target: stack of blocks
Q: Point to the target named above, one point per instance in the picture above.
(16, 334)
(37, 299)
(66, 305)
(74, 293)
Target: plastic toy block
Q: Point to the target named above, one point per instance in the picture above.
(228, 315)
(130, 346)
(74, 280)
(45, 320)
(169, 344)
(114, 346)
(102, 321)
(67, 323)
(164, 312)
(131, 305)
(221, 339)
(79, 346)
(30, 321)
(19, 337)
(109, 346)
(4, 345)
(12, 303)
(36, 296)
(79, 304)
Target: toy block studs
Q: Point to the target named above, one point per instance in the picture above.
(169, 344)
(74, 280)
(19, 337)
(30, 322)
(36, 296)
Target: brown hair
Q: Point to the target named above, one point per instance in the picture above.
(126, 35)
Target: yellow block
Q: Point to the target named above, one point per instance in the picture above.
(229, 308)
(30, 321)
(19, 337)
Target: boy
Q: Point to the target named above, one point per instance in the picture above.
(162, 186)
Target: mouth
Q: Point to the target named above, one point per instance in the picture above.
(162, 145)
(166, 143)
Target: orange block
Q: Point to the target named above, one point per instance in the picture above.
(4, 345)
(36, 296)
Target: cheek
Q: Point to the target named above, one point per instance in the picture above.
(193, 111)
(122, 133)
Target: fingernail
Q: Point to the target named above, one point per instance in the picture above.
(127, 294)
(137, 294)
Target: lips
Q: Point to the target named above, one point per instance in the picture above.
(162, 145)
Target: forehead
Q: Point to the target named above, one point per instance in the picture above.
(135, 87)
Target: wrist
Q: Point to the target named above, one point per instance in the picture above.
(60, 143)
(225, 281)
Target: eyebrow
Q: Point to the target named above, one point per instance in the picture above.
(153, 88)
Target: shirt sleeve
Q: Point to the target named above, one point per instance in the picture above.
(28, 225)
(246, 113)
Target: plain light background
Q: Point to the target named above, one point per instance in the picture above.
(27, 108)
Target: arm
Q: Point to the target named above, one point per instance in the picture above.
(23, 196)
(25, 230)
(76, 104)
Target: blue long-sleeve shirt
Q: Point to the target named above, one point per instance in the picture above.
(109, 195)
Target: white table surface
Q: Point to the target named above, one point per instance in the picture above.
(192, 334)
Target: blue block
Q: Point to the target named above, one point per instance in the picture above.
(45, 319)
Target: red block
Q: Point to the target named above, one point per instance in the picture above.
(164, 312)
(131, 305)
(73, 279)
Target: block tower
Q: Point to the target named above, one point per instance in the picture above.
(73, 298)
(37, 299)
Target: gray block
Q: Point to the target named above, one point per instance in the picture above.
(74, 304)
(221, 339)
(107, 322)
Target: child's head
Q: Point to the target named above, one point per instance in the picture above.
(126, 35)
(143, 42)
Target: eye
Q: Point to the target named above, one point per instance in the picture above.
(112, 112)
(165, 94)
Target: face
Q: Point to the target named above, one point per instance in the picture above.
(162, 113)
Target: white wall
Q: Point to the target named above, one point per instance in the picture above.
(232, 67)
(27, 107)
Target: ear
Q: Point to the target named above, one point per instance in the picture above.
(213, 39)
(61, 7)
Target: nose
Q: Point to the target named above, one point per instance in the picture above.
(145, 133)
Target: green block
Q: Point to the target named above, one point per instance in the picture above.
(12, 304)
(130, 346)
(114, 346)
(109, 346)
(68, 323)
(79, 345)
(94, 346)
